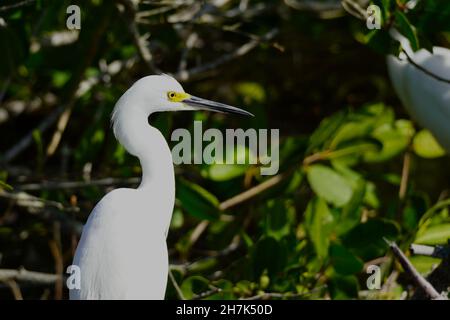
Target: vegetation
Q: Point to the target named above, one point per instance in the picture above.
(355, 169)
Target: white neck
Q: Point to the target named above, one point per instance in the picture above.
(145, 142)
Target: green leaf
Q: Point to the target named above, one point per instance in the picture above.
(426, 146)
(344, 261)
(351, 213)
(280, 215)
(393, 141)
(4, 185)
(329, 185)
(197, 201)
(60, 78)
(251, 91)
(193, 286)
(405, 28)
(327, 128)
(270, 255)
(343, 287)
(366, 239)
(319, 224)
(177, 219)
(424, 264)
(226, 292)
(437, 234)
(224, 172)
(360, 124)
(386, 7)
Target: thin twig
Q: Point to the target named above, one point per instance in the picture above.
(16, 5)
(28, 276)
(390, 281)
(56, 250)
(78, 89)
(416, 276)
(74, 84)
(286, 295)
(20, 146)
(113, 68)
(252, 192)
(198, 231)
(139, 41)
(405, 176)
(185, 75)
(176, 286)
(325, 10)
(355, 9)
(15, 289)
(24, 199)
(46, 209)
(56, 185)
(207, 294)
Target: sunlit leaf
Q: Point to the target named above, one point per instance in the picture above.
(329, 185)
(405, 28)
(319, 223)
(223, 172)
(437, 234)
(193, 286)
(426, 146)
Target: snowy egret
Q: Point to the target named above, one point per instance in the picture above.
(122, 253)
(426, 98)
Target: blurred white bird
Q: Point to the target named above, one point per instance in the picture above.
(426, 98)
(122, 253)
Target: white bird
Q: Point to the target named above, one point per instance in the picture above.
(122, 253)
(426, 98)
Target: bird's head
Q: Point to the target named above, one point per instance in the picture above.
(159, 93)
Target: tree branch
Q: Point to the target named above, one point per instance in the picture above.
(29, 276)
(16, 5)
(416, 276)
(140, 42)
(186, 75)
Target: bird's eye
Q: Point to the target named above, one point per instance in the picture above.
(171, 94)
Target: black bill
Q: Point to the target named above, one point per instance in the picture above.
(204, 104)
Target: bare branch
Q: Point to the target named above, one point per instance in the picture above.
(56, 250)
(45, 209)
(252, 192)
(176, 286)
(325, 10)
(139, 41)
(286, 295)
(113, 68)
(16, 5)
(208, 293)
(355, 9)
(186, 75)
(416, 276)
(29, 276)
(405, 176)
(55, 185)
(15, 289)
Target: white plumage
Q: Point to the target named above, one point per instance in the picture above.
(122, 253)
(426, 98)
